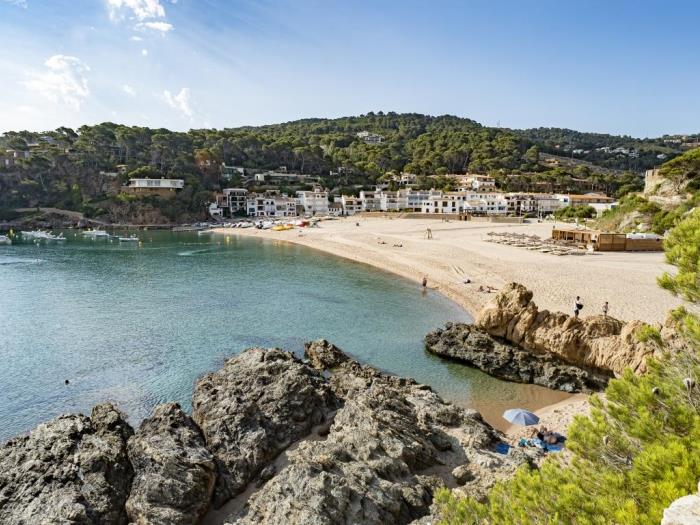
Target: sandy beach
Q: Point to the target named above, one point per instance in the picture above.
(458, 251)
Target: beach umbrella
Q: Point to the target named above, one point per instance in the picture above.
(520, 416)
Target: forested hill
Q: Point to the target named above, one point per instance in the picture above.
(66, 167)
(620, 152)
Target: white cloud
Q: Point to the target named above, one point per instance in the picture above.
(163, 27)
(136, 39)
(126, 88)
(18, 3)
(64, 81)
(139, 9)
(180, 102)
(144, 52)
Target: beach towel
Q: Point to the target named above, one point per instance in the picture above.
(502, 448)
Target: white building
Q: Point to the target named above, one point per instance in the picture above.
(482, 182)
(370, 200)
(270, 205)
(232, 199)
(314, 202)
(464, 202)
(351, 205)
(370, 138)
(175, 184)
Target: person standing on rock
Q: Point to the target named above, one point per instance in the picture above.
(605, 309)
(578, 306)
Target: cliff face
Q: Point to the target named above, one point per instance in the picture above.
(597, 342)
(299, 444)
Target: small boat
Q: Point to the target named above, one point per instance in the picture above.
(96, 234)
(41, 235)
(131, 238)
(4, 239)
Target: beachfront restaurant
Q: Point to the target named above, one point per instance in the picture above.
(609, 242)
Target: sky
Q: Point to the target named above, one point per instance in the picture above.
(622, 67)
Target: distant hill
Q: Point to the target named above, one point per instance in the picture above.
(610, 151)
(77, 169)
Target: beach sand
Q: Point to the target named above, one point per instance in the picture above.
(458, 252)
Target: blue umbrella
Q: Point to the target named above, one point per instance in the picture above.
(520, 416)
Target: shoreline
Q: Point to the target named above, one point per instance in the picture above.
(556, 416)
(458, 251)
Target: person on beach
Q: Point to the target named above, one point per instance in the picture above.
(425, 282)
(605, 309)
(578, 306)
(428, 233)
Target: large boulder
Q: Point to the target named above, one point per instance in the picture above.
(174, 473)
(596, 342)
(256, 406)
(473, 346)
(73, 469)
(683, 511)
(390, 446)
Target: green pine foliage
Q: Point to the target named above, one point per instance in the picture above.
(637, 451)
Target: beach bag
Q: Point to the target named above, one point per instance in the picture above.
(579, 306)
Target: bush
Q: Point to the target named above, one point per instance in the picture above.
(576, 212)
(636, 453)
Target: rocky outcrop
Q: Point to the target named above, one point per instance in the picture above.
(683, 511)
(297, 443)
(596, 342)
(252, 409)
(473, 346)
(324, 355)
(174, 473)
(390, 446)
(73, 469)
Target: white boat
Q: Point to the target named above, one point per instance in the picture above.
(131, 238)
(4, 239)
(41, 235)
(96, 234)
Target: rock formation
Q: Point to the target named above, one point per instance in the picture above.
(174, 473)
(595, 342)
(299, 444)
(73, 469)
(393, 442)
(683, 511)
(252, 409)
(473, 346)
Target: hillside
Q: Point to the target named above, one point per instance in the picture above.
(83, 169)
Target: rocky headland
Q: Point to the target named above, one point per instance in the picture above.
(514, 340)
(359, 446)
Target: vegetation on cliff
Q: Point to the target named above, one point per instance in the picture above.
(637, 451)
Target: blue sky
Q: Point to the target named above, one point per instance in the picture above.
(617, 67)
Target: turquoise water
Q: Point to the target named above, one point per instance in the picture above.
(137, 324)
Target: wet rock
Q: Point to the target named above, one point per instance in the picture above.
(258, 404)
(73, 469)
(473, 346)
(174, 473)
